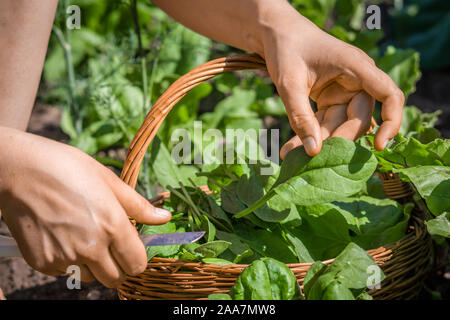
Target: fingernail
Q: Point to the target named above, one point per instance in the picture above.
(163, 213)
(310, 144)
(385, 143)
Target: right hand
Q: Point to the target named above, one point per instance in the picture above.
(305, 62)
(333, 121)
(64, 208)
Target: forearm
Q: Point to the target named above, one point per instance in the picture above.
(244, 24)
(25, 26)
(8, 138)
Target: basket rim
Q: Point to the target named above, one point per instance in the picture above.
(167, 278)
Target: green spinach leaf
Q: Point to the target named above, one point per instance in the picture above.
(349, 271)
(339, 170)
(266, 279)
(439, 226)
(161, 251)
(432, 183)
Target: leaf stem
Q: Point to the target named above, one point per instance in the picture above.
(189, 200)
(71, 101)
(230, 174)
(256, 205)
(213, 181)
(199, 212)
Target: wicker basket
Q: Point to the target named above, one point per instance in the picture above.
(405, 262)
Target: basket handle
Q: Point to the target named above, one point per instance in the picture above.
(170, 98)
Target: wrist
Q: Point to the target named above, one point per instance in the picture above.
(278, 21)
(5, 159)
(11, 144)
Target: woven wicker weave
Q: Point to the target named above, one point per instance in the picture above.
(404, 262)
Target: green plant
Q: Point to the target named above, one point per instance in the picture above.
(345, 279)
(304, 180)
(264, 279)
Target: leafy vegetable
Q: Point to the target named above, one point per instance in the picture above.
(326, 229)
(267, 243)
(322, 234)
(166, 171)
(264, 279)
(374, 222)
(348, 274)
(162, 251)
(212, 249)
(415, 123)
(432, 183)
(426, 166)
(440, 226)
(339, 170)
(402, 66)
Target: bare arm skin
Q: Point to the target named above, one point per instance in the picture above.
(24, 33)
(62, 207)
(303, 61)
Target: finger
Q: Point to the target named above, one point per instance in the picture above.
(293, 143)
(381, 87)
(330, 119)
(373, 124)
(319, 115)
(129, 251)
(334, 94)
(359, 113)
(86, 274)
(107, 271)
(301, 117)
(333, 118)
(135, 205)
(50, 272)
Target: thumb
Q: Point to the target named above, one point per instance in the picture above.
(136, 206)
(301, 117)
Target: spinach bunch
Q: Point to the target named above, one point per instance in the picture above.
(338, 171)
(427, 167)
(347, 278)
(264, 279)
(309, 209)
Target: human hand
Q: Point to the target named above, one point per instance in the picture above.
(64, 208)
(304, 62)
(340, 120)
